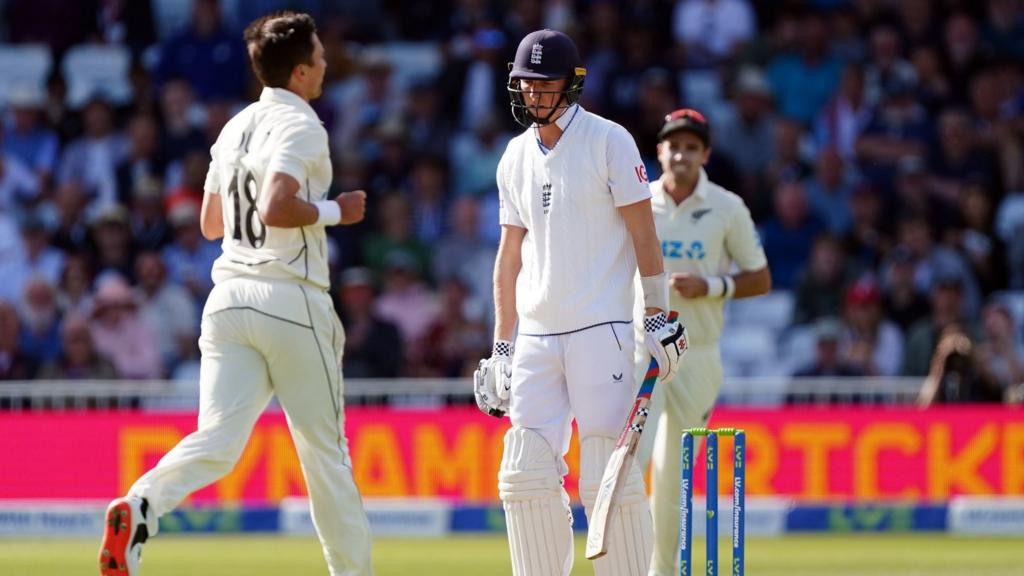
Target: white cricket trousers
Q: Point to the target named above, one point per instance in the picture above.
(685, 402)
(258, 338)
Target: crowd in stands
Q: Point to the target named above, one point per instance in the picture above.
(879, 145)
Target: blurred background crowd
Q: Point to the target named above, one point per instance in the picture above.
(879, 145)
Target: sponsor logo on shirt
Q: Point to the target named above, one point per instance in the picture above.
(681, 250)
(641, 173)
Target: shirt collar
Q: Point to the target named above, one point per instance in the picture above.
(702, 185)
(284, 96)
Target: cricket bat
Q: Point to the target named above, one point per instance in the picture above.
(615, 472)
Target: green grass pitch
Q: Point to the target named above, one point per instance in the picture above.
(844, 555)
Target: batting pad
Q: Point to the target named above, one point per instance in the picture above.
(630, 530)
(537, 512)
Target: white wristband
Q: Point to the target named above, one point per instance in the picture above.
(720, 286)
(655, 291)
(716, 286)
(329, 213)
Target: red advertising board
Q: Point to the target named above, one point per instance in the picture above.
(834, 453)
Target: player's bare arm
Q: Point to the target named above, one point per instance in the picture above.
(747, 284)
(280, 206)
(211, 223)
(492, 380)
(506, 270)
(640, 223)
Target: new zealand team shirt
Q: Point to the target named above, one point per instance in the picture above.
(578, 258)
(278, 133)
(705, 235)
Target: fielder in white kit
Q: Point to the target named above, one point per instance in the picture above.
(704, 229)
(269, 327)
(576, 225)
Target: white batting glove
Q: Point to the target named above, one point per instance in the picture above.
(667, 341)
(492, 380)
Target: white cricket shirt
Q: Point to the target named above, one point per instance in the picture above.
(278, 133)
(578, 259)
(705, 235)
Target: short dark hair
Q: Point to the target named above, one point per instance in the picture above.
(277, 43)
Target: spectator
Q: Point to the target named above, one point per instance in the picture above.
(1000, 353)
(40, 321)
(475, 156)
(115, 247)
(365, 102)
(933, 260)
(956, 159)
(72, 230)
(92, 159)
(119, 332)
(394, 234)
(622, 91)
(711, 32)
(903, 302)
(26, 137)
(748, 135)
(803, 83)
(976, 240)
(867, 239)
(947, 310)
(829, 191)
(827, 361)
(428, 127)
(456, 340)
(392, 158)
(35, 258)
(179, 134)
(168, 310)
(14, 363)
(933, 87)
(142, 162)
(74, 291)
(787, 237)
(463, 254)
(406, 301)
(870, 342)
(787, 162)
(429, 198)
(19, 186)
(953, 371)
(887, 64)
(898, 127)
(963, 55)
(919, 23)
(915, 195)
(207, 54)
(189, 189)
(189, 256)
(78, 359)
(129, 23)
(475, 83)
(1003, 31)
(373, 346)
(821, 285)
(149, 227)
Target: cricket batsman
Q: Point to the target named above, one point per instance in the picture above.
(575, 212)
